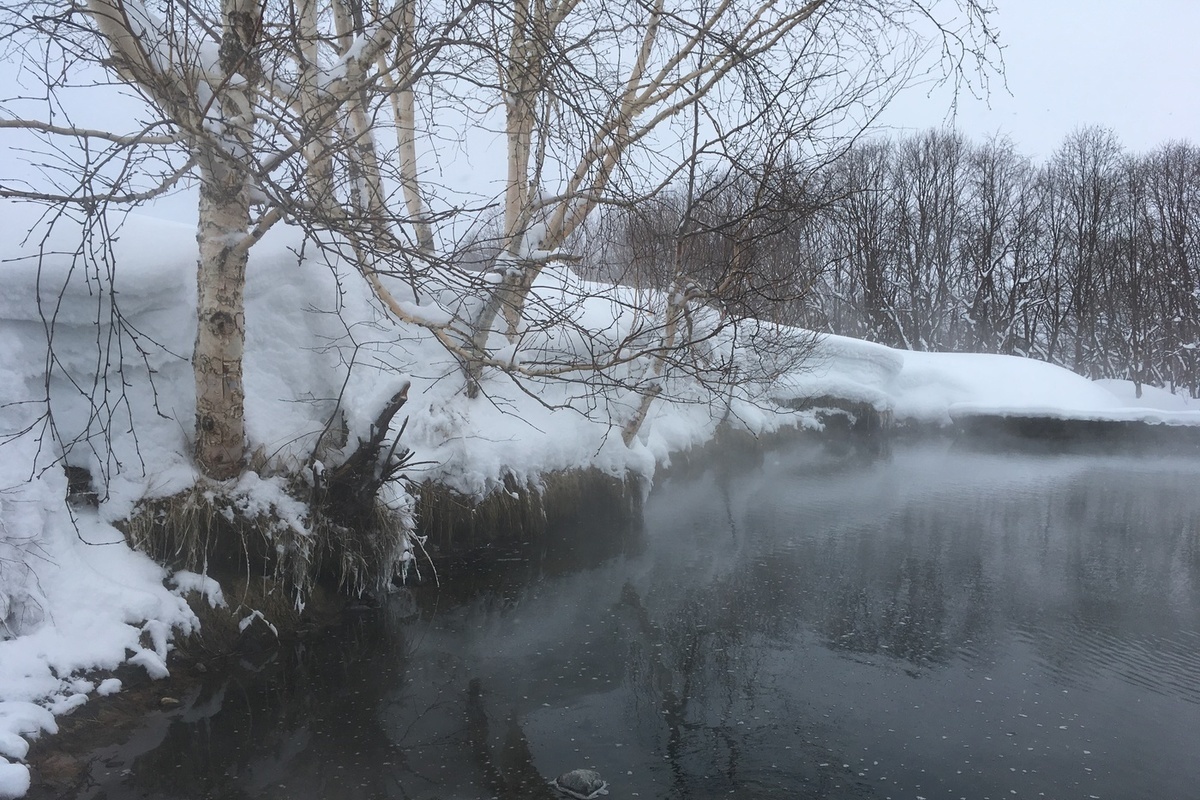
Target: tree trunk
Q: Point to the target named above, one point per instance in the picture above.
(223, 236)
(677, 302)
(221, 323)
(504, 296)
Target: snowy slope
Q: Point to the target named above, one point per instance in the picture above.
(941, 387)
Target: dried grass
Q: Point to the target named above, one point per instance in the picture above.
(521, 512)
(207, 530)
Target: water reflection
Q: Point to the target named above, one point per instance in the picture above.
(303, 724)
(939, 623)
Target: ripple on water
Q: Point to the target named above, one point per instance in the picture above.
(1077, 654)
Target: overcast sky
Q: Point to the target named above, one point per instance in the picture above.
(1129, 65)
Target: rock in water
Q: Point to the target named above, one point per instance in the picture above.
(585, 784)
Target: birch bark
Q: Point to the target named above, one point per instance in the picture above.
(223, 237)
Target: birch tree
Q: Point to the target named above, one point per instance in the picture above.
(333, 116)
(262, 107)
(824, 65)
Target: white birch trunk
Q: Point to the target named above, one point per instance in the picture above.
(221, 328)
(520, 80)
(677, 303)
(317, 115)
(223, 238)
(404, 109)
(533, 32)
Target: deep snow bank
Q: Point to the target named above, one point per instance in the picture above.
(940, 387)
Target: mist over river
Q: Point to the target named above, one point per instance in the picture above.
(942, 622)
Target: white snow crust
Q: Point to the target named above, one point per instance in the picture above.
(941, 387)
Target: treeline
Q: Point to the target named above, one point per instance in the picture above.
(933, 242)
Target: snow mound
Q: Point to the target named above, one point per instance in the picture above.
(941, 387)
(19, 719)
(14, 780)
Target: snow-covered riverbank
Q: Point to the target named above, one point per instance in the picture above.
(114, 400)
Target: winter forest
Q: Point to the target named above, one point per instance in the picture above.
(932, 242)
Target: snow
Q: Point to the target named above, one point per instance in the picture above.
(18, 719)
(185, 582)
(1152, 397)
(152, 662)
(13, 746)
(249, 619)
(14, 780)
(75, 599)
(943, 387)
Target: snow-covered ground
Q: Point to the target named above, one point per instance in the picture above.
(942, 387)
(75, 599)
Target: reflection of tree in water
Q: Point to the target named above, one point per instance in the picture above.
(1082, 569)
(906, 619)
(304, 725)
(698, 671)
(705, 652)
(930, 581)
(705, 648)
(506, 760)
(977, 623)
(701, 688)
(872, 591)
(1126, 562)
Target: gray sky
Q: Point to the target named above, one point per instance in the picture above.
(1129, 65)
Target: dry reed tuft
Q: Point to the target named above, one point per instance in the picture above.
(215, 531)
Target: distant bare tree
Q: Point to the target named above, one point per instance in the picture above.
(1173, 211)
(928, 190)
(1085, 171)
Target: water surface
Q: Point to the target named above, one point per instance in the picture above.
(942, 623)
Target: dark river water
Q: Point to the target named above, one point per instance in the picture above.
(940, 623)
